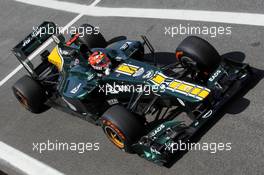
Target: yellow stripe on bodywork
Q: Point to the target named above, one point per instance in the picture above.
(185, 88)
(55, 58)
(158, 79)
(195, 91)
(174, 84)
(203, 94)
(127, 69)
(191, 89)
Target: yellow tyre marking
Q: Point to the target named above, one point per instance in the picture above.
(116, 141)
(114, 134)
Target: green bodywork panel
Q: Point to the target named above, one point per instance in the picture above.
(160, 138)
(83, 79)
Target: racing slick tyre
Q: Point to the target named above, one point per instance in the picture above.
(30, 94)
(121, 127)
(199, 54)
(91, 40)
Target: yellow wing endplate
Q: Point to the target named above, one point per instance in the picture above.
(55, 58)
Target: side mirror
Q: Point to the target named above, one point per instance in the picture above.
(58, 38)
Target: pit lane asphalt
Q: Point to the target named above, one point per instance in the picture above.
(20, 128)
(254, 6)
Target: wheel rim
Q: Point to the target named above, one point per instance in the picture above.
(22, 99)
(114, 137)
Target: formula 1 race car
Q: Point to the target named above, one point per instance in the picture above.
(142, 106)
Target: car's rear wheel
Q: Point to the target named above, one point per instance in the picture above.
(121, 127)
(30, 94)
(197, 53)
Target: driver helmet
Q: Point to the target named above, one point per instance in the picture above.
(99, 60)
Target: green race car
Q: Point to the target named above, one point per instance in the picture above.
(142, 106)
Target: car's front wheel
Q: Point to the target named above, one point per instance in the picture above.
(196, 53)
(121, 127)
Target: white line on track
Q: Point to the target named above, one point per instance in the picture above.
(95, 3)
(36, 52)
(14, 157)
(24, 163)
(10, 75)
(175, 14)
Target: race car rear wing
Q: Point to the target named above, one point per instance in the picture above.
(25, 51)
